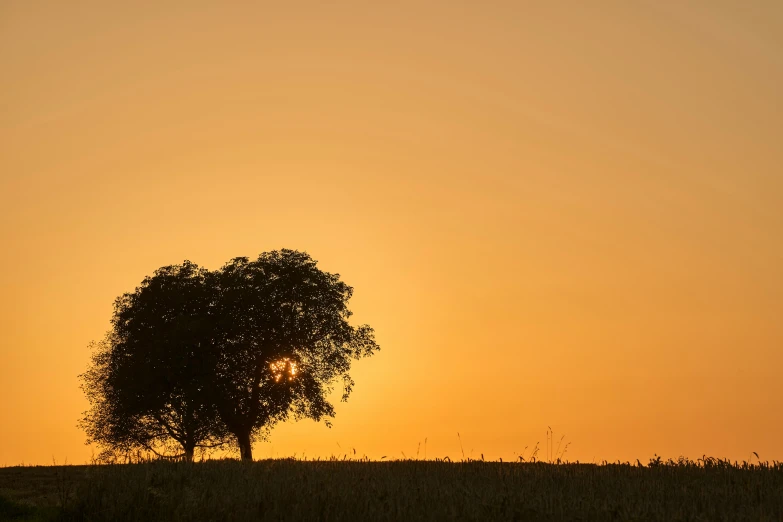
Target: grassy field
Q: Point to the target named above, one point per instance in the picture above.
(404, 490)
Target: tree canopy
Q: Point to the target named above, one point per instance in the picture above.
(199, 358)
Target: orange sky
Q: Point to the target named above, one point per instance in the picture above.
(553, 214)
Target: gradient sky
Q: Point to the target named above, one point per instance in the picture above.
(564, 214)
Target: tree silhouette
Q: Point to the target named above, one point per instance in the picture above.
(149, 380)
(194, 355)
(283, 338)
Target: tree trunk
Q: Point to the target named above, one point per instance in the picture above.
(245, 448)
(189, 453)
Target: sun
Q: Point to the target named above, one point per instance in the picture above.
(283, 368)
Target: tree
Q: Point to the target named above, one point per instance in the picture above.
(282, 338)
(194, 356)
(149, 378)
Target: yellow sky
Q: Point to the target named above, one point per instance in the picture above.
(563, 214)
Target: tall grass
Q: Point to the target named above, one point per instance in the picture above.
(287, 489)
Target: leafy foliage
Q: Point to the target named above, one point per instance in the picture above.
(148, 383)
(281, 309)
(194, 355)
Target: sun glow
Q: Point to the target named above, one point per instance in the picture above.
(283, 367)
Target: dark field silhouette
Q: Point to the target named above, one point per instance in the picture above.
(402, 490)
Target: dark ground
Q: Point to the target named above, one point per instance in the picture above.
(405, 490)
